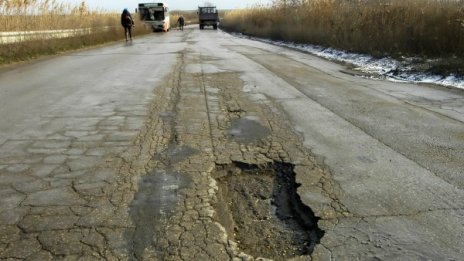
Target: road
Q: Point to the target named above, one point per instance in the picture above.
(198, 145)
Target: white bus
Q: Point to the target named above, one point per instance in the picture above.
(156, 15)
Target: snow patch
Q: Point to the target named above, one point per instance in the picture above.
(377, 68)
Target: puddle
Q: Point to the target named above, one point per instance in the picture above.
(262, 212)
(247, 130)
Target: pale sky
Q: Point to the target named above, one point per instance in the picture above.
(119, 5)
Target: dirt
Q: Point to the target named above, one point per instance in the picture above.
(259, 206)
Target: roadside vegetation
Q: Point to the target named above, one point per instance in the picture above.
(190, 16)
(425, 29)
(40, 15)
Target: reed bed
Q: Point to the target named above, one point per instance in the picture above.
(32, 15)
(425, 28)
(42, 15)
(190, 16)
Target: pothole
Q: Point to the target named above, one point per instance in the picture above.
(262, 212)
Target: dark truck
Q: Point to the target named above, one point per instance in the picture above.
(208, 16)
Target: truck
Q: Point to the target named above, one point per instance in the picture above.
(208, 16)
(155, 15)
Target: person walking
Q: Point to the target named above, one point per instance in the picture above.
(127, 22)
(181, 22)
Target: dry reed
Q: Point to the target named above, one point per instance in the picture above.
(40, 15)
(428, 28)
(190, 17)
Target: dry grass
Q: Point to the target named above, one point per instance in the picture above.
(30, 15)
(428, 28)
(191, 17)
(38, 15)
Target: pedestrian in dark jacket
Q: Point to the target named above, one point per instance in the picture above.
(181, 22)
(127, 22)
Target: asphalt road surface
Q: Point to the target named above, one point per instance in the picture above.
(191, 145)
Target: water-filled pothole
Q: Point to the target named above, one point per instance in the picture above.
(262, 212)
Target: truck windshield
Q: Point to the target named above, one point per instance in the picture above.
(208, 10)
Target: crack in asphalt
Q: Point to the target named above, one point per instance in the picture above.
(184, 139)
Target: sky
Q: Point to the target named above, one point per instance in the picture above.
(116, 5)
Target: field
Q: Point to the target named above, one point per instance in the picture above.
(397, 28)
(39, 15)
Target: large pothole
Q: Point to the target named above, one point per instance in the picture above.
(262, 212)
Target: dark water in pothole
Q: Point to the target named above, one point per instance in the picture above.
(247, 130)
(262, 212)
(291, 211)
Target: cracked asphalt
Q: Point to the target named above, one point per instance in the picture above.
(124, 153)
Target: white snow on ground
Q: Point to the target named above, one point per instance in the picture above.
(384, 68)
